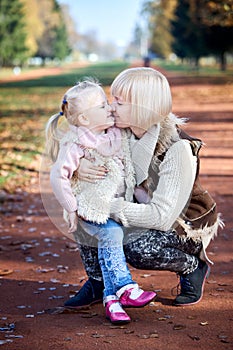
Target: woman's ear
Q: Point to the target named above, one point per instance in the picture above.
(83, 120)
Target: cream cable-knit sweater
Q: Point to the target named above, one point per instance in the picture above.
(170, 181)
(176, 177)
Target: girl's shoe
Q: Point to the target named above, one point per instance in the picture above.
(115, 313)
(133, 296)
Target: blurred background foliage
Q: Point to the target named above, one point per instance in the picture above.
(25, 107)
(175, 34)
(41, 31)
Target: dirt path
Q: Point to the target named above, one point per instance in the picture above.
(40, 267)
(42, 72)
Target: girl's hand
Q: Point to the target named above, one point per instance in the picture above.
(89, 172)
(73, 222)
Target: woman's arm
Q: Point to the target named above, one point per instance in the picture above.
(176, 178)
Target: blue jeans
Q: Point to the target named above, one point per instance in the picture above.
(111, 256)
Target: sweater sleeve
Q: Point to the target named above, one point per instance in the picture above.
(176, 178)
(61, 173)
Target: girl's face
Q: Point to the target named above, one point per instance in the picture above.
(99, 113)
(122, 112)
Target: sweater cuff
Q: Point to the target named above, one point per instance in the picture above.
(116, 210)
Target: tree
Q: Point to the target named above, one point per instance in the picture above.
(61, 47)
(53, 43)
(216, 12)
(203, 27)
(217, 17)
(72, 36)
(12, 33)
(161, 13)
(33, 25)
(188, 31)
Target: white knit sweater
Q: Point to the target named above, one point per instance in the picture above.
(170, 181)
(175, 181)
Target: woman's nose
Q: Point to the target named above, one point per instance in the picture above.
(113, 106)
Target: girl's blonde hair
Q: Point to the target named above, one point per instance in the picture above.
(71, 108)
(148, 92)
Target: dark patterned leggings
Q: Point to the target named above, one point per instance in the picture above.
(152, 250)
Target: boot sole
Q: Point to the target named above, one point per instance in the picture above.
(202, 290)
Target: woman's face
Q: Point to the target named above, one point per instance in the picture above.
(122, 112)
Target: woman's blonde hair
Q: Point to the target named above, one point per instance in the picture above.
(71, 108)
(148, 92)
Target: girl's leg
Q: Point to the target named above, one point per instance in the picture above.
(111, 258)
(116, 274)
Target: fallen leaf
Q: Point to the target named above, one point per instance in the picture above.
(178, 327)
(143, 336)
(97, 335)
(4, 272)
(67, 339)
(2, 342)
(222, 336)
(162, 319)
(211, 281)
(66, 310)
(145, 275)
(54, 280)
(191, 317)
(154, 335)
(7, 327)
(194, 337)
(44, 270)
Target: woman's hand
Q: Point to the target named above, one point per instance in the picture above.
(89, 172)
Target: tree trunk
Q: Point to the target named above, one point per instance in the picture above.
(223, 61)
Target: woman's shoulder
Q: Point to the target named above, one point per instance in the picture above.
(180, 147)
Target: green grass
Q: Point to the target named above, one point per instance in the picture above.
(188, 69)
(104, 72)
(25, 107)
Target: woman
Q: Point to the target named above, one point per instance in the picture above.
(173, 227)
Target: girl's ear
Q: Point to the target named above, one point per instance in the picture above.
(83, 120)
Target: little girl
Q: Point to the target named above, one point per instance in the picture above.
(92, 136)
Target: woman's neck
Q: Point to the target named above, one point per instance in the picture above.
(138, 132)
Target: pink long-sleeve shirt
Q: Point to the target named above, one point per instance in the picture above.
(74, 146)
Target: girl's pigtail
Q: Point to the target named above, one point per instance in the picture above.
(53, 136)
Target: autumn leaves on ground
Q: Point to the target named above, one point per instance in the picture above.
(40, 267)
